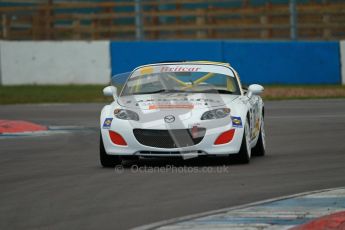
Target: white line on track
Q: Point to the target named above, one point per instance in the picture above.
(51, 131)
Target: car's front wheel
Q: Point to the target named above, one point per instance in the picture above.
(244, 154)
(107, 160)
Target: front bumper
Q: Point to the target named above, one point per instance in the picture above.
(204, 147)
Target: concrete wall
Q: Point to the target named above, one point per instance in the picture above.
(260, 62)
(72, 62)
(342, 55)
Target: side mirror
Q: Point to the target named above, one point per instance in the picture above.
(255, 89)
(110, 91)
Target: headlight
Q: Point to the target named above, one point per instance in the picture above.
(215, 114)
(125, 114)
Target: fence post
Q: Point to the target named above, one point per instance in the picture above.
(108, 21)
(326, 19)
(35, 26)
(94, 26)
(293, 19)
(40, 24)
(49, 23)
(264, 31)
(4, 26)
(210, 21)
(139, 35)
(200, 22)
(76, 28)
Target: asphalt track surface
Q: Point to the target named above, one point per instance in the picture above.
(56, 181)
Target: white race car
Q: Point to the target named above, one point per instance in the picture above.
(181, 109)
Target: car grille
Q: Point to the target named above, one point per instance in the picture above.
(175, 138)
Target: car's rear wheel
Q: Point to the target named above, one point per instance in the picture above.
(107, 160)
(243, 157)
(260, 147)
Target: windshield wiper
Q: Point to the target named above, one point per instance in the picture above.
(221, 91)
(151, 92)
(161, 91)
(175, 91)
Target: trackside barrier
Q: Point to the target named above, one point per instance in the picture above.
(80, 62)
(342, 54)
(285, 62)
(72, 62)
(125, 56)
(261, 62)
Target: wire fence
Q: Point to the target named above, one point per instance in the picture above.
(172, 19)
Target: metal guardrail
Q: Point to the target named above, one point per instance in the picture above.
(172, 19)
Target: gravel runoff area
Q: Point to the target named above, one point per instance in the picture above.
(307, 92)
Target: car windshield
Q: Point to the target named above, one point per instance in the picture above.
(176, 81)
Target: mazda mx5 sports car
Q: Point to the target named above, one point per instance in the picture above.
(181, 109)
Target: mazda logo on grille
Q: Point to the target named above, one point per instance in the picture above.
(169, 119)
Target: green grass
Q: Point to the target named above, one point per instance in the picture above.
(284, 92)
(275, 98)
(305, 86)
(51, 94)
(93, 93)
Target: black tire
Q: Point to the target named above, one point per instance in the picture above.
(243, 157)
(107, 161)
(260, 148)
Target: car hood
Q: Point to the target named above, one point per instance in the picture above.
(175, 101)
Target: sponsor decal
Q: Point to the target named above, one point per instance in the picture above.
(179, 69)
(171, 106)
(236, 122)
(146, 70)
(107, 123)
